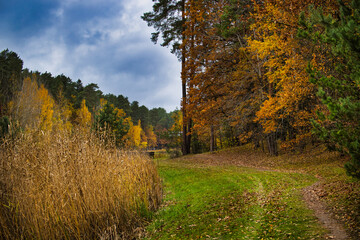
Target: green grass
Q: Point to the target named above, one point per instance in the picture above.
(226, 202)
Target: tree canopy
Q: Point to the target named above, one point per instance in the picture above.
(245, 68)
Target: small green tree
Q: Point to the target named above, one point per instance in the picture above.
(113, 121)
(339, 82)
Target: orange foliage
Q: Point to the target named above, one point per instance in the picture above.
(290, 98)
(250, 77)
(202, 49)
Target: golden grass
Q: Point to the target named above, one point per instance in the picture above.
(73, 186)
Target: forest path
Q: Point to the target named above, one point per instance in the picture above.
(311, 194)
(268, 198)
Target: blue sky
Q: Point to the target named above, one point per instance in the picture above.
(98, 41)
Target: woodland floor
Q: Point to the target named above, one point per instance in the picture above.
(245, 194)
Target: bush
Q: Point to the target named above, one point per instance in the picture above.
(174, 153)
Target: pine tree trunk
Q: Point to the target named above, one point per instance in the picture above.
(185, 124)
(186, 137)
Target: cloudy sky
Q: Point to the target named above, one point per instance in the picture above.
(98, 41)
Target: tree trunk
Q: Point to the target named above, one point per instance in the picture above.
(185, 123)
(186, 137)
(272, 144)
(212, 140)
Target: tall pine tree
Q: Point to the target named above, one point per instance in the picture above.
(168, 18)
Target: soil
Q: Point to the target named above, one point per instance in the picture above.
(312, 196)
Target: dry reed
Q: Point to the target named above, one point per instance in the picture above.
(73, 186)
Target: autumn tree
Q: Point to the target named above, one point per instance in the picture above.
(59, 86)
(64, 112)
(218, 70)
(83, 115)
(46, 103)
(151, 137)
(245, 72)
(33, 107)
(136, 137)
(200, 39)
(288, 98)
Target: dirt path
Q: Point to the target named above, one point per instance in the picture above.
(312, 198)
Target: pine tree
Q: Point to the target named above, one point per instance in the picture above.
(339, 82)
(168, 18)
(10, 78)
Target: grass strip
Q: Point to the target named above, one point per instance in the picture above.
(216, 202)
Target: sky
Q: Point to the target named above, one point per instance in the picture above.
(97, 41)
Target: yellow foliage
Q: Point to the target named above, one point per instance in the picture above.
(47, 108)
(289, 103)
(133, 137)
(34, 107)
(143, 144)
(151, 137)
(83, 115)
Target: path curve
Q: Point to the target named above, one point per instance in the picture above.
(310, 194)
(313, 201)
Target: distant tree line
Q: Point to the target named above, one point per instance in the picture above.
(133, 125)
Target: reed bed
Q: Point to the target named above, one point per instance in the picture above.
(74, 186)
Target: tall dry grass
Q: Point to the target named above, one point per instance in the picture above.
(73, 186)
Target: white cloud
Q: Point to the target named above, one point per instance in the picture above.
(115, 52)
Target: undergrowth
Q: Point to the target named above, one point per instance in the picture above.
(64, 185)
